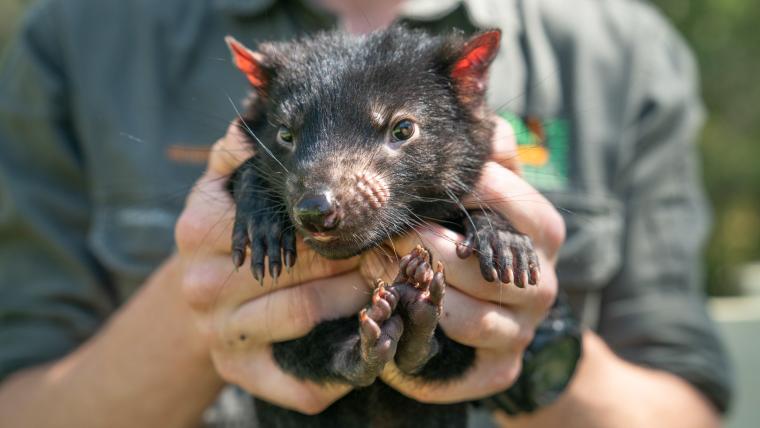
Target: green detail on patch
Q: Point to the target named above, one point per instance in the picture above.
(543, 148)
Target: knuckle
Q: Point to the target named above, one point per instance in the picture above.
(553, 232)
(523, 338)
(208, 333)
(313, 404)
(546, 295)
(480, 331)
(488, 329)
(506, 375)
(226, 369)
(188, 230)
(200, 286)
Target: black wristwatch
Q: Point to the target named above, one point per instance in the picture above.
(549, 363)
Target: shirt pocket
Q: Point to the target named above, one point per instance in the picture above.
(592, 253)
(131, 240)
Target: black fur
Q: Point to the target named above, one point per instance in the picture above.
(325, 89)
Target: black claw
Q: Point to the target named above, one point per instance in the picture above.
(509, 275)
(275, 269)
(289, 248)
(505, 254)
(464, 249)
(486, 262)
(258, 272)
(500, 262)
(521, 268)
(238, 257)
(259, 225)
(523, 279)
(290, 259)
(535, 276)
(507, 269)
(535, 270)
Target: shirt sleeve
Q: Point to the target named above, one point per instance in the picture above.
(654, 312)
(53, 294)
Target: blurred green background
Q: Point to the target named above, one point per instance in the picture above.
(724, 34)
(726, 39)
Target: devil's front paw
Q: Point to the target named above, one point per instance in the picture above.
(261, 225)
(504, 252)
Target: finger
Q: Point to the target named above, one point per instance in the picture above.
(229, 152)
(480, 324)
(209, 210)
(465, 274)
(504, 145)
(261, 376)
(492, 372)
(530, 212)
(212, 283)
(292, 312)
(205, 225)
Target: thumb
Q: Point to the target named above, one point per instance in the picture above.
(504, 145)
(229, 152)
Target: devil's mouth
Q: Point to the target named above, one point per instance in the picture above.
(322, 236)
(332, 245)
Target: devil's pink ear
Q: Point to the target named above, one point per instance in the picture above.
(251, 63)
(470, 69)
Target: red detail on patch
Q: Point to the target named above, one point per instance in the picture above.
(477, 56)
(536, 126)
(246, 61)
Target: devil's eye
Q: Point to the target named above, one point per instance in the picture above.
(403, 130)
(284, 136)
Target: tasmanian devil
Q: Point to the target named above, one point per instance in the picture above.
(359, 139)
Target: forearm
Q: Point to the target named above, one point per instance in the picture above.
(610, 392)
(146, 367)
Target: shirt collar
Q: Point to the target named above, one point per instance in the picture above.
(414, 9)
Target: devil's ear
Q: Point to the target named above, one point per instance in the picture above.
(470, 68)
(253, 64)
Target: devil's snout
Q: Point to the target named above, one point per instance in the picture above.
(317, 212)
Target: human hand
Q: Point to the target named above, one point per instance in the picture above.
(238, 318)
(498, 320)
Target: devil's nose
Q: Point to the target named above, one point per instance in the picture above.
(317, 212)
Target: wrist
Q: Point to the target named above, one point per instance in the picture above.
(146, 367)
(549, 364)
(163, 291)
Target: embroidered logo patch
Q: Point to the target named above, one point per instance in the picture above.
(543, 148)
